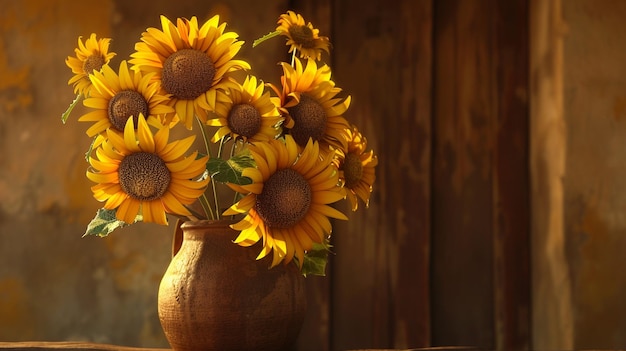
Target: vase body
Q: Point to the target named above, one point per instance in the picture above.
(215, 295)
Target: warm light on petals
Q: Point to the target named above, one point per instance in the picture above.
(290, 211)
(145, 182)
(119, 96)
(191, 63)
(246, 112)
(302, 36)
(357, 168)
(309, 102)
(91, 56)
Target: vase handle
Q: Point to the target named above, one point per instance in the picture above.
(177, 241)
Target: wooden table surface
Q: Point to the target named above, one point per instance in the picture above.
(76, 346)
(87, 346)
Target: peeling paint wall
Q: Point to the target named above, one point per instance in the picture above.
(55, 285)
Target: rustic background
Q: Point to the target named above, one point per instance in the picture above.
(497, 219)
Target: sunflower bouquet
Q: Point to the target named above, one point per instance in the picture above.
(286, 151)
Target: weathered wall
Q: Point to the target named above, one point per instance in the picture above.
(595, 192)
(55, 285)
(579, 227)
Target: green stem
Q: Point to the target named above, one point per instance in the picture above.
(203, 199)
(215, 198)
(205, 137)
(232, 153)
(293, 57)
(206, 206)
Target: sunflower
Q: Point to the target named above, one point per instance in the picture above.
(191, 62)
(312, 110)
(287, 203)
(246, 111)
(115, 98)
(141, 173)
(301, 36)
(356, 168)
(90, 57)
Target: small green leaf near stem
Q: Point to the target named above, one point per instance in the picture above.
(67, 112)
(90, 150)
(265, 37)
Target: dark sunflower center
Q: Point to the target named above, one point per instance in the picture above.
(285, 199)
(302, 35)
(352, 170)
(144, 176)
(187, 74)
(244, 120)
(309, 120)
(93, 62)
(125, 104)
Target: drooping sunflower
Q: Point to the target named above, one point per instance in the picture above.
(90, 56)
(191, 62)
(247, 112)
(115, 98)
(302, 36)
(357, 168)
(142, 173)
(287, 204)
(311, 107)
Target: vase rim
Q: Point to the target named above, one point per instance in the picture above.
(217, 223)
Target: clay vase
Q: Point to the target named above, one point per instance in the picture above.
(215, 295)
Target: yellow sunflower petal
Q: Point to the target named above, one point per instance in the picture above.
(146, 139)
(130, 138)
(242, 206)
(128, 210)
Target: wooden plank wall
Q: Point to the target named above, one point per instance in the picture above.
(552, 309)
(387, 65)
(480, 231)
(379, 294)
(512, 217)
(441, 257)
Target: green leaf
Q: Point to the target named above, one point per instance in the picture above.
(315, 260)
(229, 171)
(265, 37)
(105, 222)
(67, 112)
(90, 150)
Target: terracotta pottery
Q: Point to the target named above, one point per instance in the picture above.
(215, 295)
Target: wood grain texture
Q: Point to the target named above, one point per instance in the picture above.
(511, 176)
(380, 287)
(481, 278)
(463, 150)
(552, 315)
